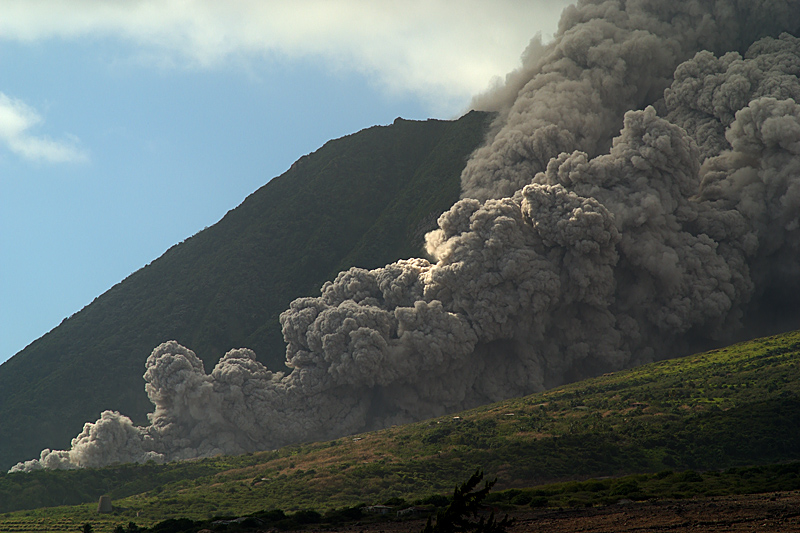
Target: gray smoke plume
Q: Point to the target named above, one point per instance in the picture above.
(639, 197)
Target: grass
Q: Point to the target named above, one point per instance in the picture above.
(701, 425)
(667, 484)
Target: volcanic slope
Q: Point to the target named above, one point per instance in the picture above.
(363, 200)
(723, 410)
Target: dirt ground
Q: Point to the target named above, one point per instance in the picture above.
(758, 512)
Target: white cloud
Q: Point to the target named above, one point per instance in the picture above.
(16, 119)
(440, 50)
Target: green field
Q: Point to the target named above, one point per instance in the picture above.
(723, 422)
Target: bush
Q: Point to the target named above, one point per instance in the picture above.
(538, 501)
(521, 499)
(307, 517)
(690, 476)
(173, 525)
(274, 515)
(625, 488)
(346, 514)
(460, 515)
(437, 500)
(593, 485)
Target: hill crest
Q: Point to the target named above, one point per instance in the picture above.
(359, 200)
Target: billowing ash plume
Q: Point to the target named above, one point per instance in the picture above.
(638, 198)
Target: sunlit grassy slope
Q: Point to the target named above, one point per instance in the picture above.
(726, 408)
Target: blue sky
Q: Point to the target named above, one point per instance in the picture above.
(127, 126)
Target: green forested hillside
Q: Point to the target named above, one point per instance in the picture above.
(362, 200)
(722, 410)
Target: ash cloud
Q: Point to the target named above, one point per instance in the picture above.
(638, 198)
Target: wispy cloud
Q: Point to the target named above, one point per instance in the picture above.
(16, 121)
(436, 49)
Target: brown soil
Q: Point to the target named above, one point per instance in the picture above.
(772, 512)
(757, 512)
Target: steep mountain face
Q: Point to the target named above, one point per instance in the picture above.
(363, 200)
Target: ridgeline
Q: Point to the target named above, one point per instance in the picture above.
(364, 200)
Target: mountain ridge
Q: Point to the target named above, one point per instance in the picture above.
(209, 291)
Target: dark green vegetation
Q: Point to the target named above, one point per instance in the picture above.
(724, 422)
(364, 200)
(462, 513)
(665, 484)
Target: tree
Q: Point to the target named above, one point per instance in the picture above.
(460, 516)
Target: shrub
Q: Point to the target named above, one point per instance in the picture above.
(521, 499)
(437, 500)
(538, 501)
(460, 515)
(307, 517)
